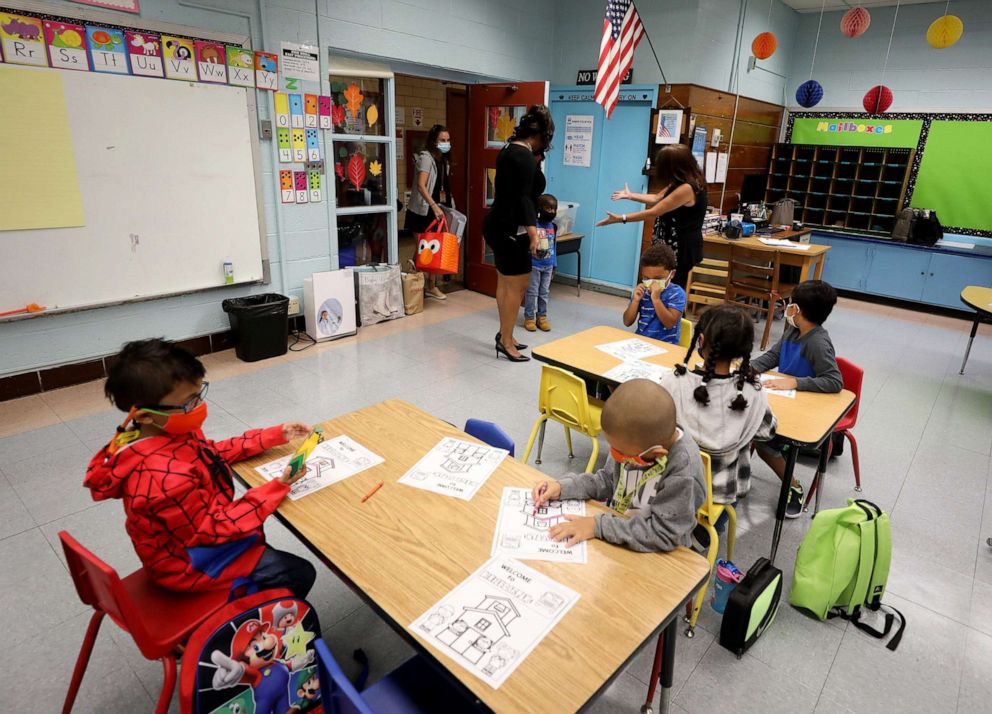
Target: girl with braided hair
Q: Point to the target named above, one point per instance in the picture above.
(721, 408)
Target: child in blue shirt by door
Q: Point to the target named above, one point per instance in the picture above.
(657, 303)
(542, 266)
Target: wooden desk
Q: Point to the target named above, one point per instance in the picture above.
(805, 421)
(810, 261)
(980, 300)
(405, 548)
(567, 244)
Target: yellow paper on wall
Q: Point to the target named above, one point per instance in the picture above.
(38, 182)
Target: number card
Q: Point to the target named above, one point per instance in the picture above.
(145, 53)
(266, 70)
(310, 110)
(107, 50)
(285, 145)
(296, 110)
(66, 45)
(324, 111)
(211, 61)
(179, 58)
(313, 145)
(313, 179)
(22, 39)
(302, 188)
(240, 67)
(280, 102)
(286, 186)
(299, 144)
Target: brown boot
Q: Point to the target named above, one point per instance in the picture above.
(543, 323)
(530, 325)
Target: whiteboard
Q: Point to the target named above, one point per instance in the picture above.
(168, 174)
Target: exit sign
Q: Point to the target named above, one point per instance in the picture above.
(588, 76)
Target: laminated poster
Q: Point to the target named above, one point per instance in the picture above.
(310, 111)
(285, 145)
(179, 58)
(66, 45)
(313, 145)
(286, 186)
(107, 50)
(280, 102)
(313, 179)
(296, 110)
(22, 40)
(302, 188)
(240, 67)
(266, 70)
(324, 111)
(145, 52)
(299, 140)
(211, 61)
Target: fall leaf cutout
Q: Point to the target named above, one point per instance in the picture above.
(337, 115)
(356, 170)
(372, 115)
(375, 168)
(339, 169)
(505, 126)
(354, 96)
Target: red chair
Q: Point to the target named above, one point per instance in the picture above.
(852, 375)
(159, 620)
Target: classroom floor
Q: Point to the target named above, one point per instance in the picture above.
(925, 437)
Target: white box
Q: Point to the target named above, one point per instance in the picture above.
(565, 218)
(329, 304)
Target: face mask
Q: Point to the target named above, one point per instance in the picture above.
(444, 147)
(663, 282)
(545, 217)
(791, 319)
(185, 422)
(638, 461)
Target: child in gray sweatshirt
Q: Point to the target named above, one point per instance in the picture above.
(653, 478)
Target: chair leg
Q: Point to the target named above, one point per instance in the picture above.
(82, 660)
(769, 319)
(854, 457)
(568, 441)
(814, 486)
(540, 441)
(533, 436)
(731, 530)
(714, 548)
(591, 464)
(655, 673)
(168, 684)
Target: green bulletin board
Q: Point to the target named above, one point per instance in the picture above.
(953, 176)
(853, 131)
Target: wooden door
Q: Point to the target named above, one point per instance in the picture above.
(493, 111)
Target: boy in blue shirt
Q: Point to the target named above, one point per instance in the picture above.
(806, 356)
(542, 266)
(657, 303)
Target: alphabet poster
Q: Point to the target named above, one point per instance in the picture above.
(107, 50)
(145, 52)
(66, 45)
(495, 618)
(240, 67)
(179, 58)
(22, 40)
(211, 61)
(266, 70)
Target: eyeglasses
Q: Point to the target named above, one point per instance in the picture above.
(186, 407)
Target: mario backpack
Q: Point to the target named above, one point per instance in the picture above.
(254, 656)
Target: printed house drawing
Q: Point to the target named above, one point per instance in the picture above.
(475, 631)
(543, 517)
(462, 458)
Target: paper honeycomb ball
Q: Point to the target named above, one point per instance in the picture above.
(945, 31)
(763, 46)
(855, 21)
(809, 94)
(878, 99)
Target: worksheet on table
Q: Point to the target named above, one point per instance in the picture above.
(454, 468)
(631, 349)
(787, 393)
(332, 460)
(636, 369)
(495, 617)
(522, 529)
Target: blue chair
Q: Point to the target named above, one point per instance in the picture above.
(411, 688)
(490, 433)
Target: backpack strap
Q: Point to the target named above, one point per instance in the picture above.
(866, 562)
(854, 619)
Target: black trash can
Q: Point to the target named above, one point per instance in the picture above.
(260, 324)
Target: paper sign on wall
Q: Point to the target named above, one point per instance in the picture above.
(299, 142)
(286, 186)
(22, 40)
(310, 110)
(302, 187)
(145, 54)
(722, 161)
(313, 180)
(400, 115)
(280, 103)
(313, 145)
(178, 58)
(300, 61)
(211, 61)
(296, 110)
(266, 70)
(324, 111)
(418, 116)
(66, 45)
(285, 145)
(578, 140)
(107, 50)
(240, 67)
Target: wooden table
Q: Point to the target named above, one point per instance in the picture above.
(805, 421)
(566, 244)
(810, 260)
(980, 300)
(405, 548)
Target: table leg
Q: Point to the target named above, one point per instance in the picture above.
(819, 267)
(668, 666)
(967, 350)
(805, 273)
(783, 497)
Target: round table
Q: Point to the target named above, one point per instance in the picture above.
(980, 300)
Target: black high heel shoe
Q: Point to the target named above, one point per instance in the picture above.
(501, 350)
(518, 345)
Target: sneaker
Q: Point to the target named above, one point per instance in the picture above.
(435, 292)
(530, 325)
(794, 507)
(543, 323)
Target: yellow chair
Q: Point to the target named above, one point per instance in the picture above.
(707, 516)
(563, 399)
(685, 333)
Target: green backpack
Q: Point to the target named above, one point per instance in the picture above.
(843, 564)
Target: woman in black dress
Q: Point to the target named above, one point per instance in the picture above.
(510, 227)
(678, 209)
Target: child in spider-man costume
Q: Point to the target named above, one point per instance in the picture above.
(187, 527)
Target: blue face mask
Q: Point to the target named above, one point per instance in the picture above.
(444, 146)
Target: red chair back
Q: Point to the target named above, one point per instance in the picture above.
(852, 375)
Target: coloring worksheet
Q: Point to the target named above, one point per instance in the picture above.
(636, 369)
(632, 349)
(495, 618)
(454, 468)
(522, 529)
(787, 393)
(333, 460)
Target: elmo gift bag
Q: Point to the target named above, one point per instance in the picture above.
(254, 656)
(437, 249)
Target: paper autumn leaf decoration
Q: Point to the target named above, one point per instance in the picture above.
(372, 115)
(375, 168)
(337, 115)
(493, 117)
(354, 96)
(356, 170)
(505, 126)
(339, 169)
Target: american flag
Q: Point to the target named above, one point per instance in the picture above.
(622, 30)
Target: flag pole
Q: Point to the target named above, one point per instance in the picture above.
(664, 79)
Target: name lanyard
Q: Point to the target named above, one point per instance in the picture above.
(622, 497)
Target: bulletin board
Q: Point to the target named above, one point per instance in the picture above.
(155, 186)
